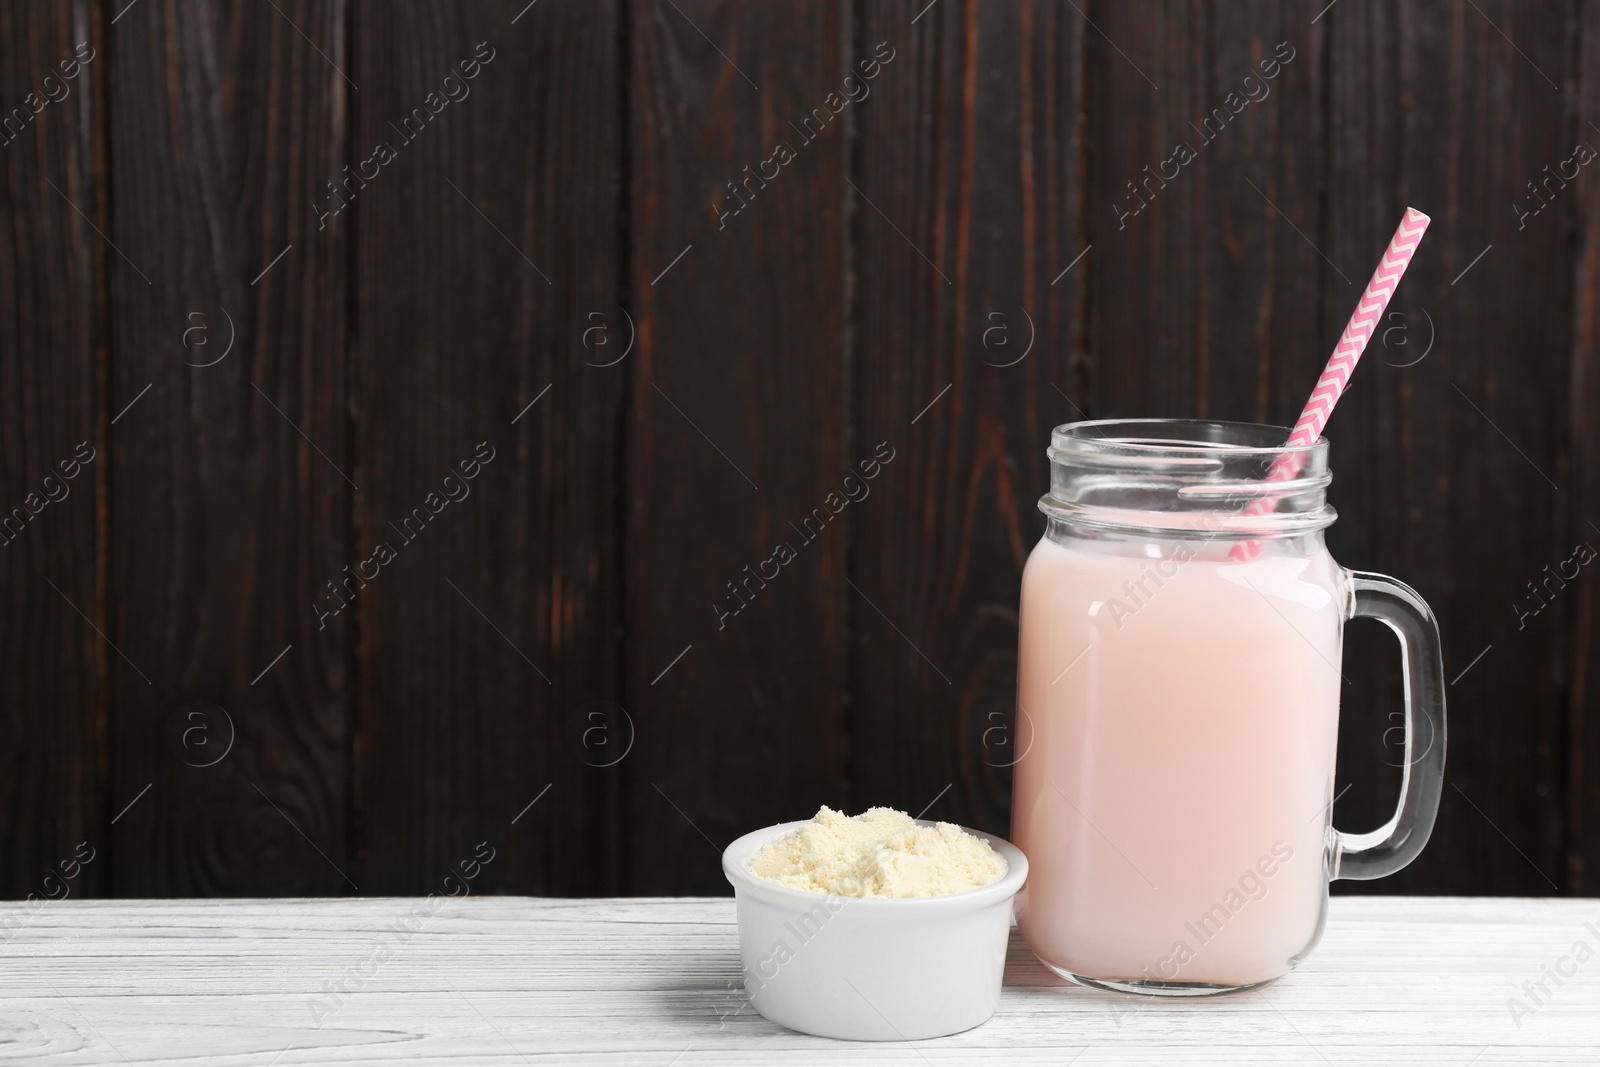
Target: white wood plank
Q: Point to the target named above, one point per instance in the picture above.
(513, 980)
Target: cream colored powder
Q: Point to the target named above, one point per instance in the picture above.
(879, 853)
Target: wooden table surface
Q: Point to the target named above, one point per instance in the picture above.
(516, 980)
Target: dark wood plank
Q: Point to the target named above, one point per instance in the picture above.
(739, 384)
(1202, 193)
(588, 188)
(1370, 490)
(53, 748)
(230, 499)
(488, 267)
(1148, 79)
(972, 152)
(1259, 344)
(1582, 743)
(1448, 471)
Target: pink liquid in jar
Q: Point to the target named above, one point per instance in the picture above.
(1179, 712)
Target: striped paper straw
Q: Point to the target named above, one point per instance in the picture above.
(1346, 354)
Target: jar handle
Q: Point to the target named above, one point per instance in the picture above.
(1391, 846)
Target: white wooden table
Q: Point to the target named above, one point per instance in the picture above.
(513, 980)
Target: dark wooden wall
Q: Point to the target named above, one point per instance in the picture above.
(540, 270)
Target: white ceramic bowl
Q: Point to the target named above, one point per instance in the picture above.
(866, 969)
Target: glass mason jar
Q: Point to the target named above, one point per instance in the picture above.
(1180, 636)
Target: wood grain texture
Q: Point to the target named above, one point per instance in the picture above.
(969, 156)
(229, 493)
(1372, 443)
(511, 980)
(1147, 85)
(583, 258)
(1581, 745)
(737, 428)
(486, 247)
(1201, 199)
(52, 744)
(1433, 456)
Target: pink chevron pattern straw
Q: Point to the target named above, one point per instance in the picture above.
(1346, 354)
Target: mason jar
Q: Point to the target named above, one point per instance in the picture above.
(1179, 648)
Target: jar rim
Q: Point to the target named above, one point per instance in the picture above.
(1187, 477)
(1198, 438)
